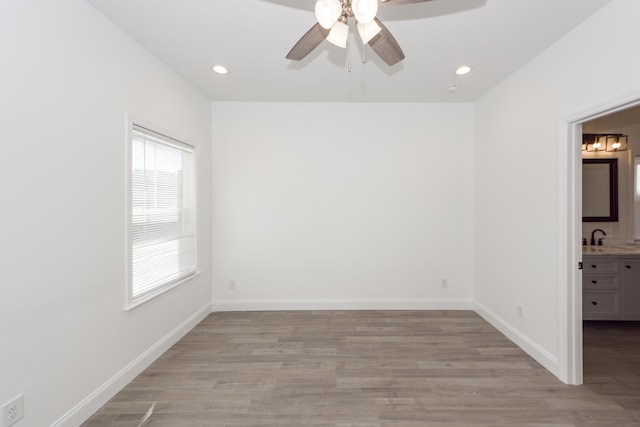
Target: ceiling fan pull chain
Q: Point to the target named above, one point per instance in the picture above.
(348, 49)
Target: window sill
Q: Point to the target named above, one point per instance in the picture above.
(143, 300)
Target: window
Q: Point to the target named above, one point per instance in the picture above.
(162, 217)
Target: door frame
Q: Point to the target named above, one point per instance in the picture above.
(570, 250)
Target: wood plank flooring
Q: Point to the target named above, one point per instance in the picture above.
(375, 369)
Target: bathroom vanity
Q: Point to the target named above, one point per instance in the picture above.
(611, 282)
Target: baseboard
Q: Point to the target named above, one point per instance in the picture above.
(542, 356)
(87, 407)
(344, 304)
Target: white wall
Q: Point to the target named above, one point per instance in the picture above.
(68, 77)
(517, 163)
(342, 205)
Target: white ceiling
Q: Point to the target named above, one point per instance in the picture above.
(252, 37)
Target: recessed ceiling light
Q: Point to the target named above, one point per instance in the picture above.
(463, 70)
(220, 69)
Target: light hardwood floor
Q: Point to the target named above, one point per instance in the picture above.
(375, 369)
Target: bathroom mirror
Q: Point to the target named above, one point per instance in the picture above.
(599, 190)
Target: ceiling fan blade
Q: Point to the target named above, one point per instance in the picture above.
(386, 46)
(308, 42)
(399, 2)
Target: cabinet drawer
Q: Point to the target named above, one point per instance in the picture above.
(601, 266)
(600, 282)
(594, 302)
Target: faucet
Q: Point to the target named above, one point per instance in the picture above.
(593, 237)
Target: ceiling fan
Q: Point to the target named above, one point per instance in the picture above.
(333, 24)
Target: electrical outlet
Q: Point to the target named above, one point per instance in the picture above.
(444, 283)
(232, 284)
(13, 411)
(520, 311)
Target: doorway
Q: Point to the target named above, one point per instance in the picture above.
(571, 363)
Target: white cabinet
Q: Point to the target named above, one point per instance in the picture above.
(630, 303)
(600, 305)
(611, 288)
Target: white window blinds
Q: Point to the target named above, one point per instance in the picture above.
(162, 230)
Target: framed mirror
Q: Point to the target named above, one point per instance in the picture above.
(599, 190)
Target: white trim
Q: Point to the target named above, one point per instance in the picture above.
(604, 109)
(89, 405)
(343, 304)
(132, 118)
(128, 192)
(159, 291)
(570, 253)
(546, 359)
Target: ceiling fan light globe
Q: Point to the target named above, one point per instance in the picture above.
(368, 31)
(364, 10)
(328, 12)
(338, 34)
(363, 7)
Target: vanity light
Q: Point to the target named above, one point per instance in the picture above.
(597, 145)
(593, 142)
(617, 142)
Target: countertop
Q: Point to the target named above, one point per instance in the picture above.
(617, 250)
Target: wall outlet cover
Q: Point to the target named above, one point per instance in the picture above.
(13, 411)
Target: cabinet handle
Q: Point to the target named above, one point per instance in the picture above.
(594, 281)
(628, 266)
(594, 266)
(594, 302)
